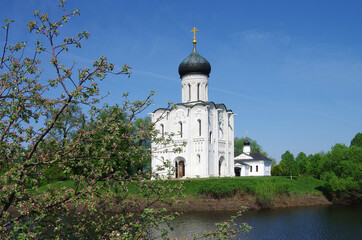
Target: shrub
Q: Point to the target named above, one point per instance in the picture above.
(281, 189)
(218, 189)
(265, 195)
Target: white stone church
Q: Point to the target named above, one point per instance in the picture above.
(206, 129)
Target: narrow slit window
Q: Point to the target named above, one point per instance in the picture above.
(251, 168)
(198, 91)
(162, 130)
(180, 123)
(199, 122)
(189, 92)
(256, 168)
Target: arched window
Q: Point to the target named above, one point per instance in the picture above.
(189, 92)
(198, 91)
(251, 168)
(199, 122)
(206, 93)
(162, 130)
(210, 137)
(198, 158)
(256, 168)
(180, 123)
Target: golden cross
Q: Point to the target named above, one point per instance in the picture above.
(246, 133)
(194, 30)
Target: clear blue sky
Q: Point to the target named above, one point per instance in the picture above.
(291, 70)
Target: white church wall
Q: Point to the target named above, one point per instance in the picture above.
(211, 150)
(267, 168)
(256, 167)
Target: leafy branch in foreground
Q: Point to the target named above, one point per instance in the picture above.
(65, 176)
(90, 156)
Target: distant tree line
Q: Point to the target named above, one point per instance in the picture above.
(341, 168)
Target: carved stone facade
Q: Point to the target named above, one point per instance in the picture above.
(206, 153)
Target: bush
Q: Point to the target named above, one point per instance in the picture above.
(340, 189)
(54, 173)
(218, 189)
(281, 189)
(265, 195)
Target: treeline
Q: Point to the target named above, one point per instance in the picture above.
(340, 168)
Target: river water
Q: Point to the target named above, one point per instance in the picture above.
(318, 222)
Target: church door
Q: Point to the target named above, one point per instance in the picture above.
(181, 169)
(237, 171)
(176, 167)
(219, 168)
(222, 167)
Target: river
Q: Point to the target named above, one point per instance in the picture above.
(318, 222)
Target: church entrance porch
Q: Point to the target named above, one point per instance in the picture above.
(179, 167)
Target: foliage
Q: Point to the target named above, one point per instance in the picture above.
(265, 195)
(340, 168)
(302, 163)
(67, 124)
(264, 188)
(125, 152)
(218, 189)
(289, 164)
(91, 161)
(277, 170)
(357, 140)
(314, 168)
(44, 137)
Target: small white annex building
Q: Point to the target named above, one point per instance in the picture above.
(252, 164)
(206, 128)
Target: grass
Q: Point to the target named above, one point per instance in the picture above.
(265, 189)
(297, 185)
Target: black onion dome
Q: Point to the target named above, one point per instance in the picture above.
(194, 63)
(246, 142)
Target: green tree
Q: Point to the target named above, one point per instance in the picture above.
(144, 124)
(357, 140)
(114, 120)
(315, 163)
(277, 170)
(341, 168)
(29, 120)
(289, 164)
(302, 163)
(67, 124)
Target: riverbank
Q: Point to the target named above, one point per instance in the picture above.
(230, 193)
(249, 201)
(252, 192)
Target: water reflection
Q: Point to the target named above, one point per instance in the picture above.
(321, 222)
